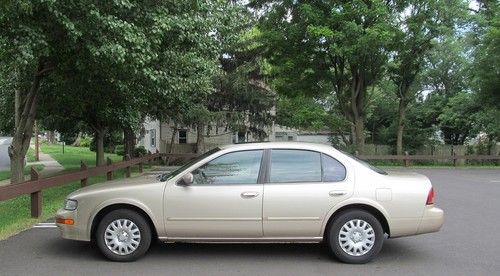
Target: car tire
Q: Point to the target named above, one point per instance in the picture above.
(123, 235)
(355, 237)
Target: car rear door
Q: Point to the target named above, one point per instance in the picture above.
(224, 201)
(301, 187)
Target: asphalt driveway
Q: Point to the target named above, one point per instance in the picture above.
(468, 244)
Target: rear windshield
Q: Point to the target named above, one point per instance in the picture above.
(366, 164)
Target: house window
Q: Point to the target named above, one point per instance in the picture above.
(183, 136)
(241, 137)
(152, 134)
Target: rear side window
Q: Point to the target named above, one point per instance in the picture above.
(295, 166)
(333, 170)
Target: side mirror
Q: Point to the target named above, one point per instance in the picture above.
(187, 179)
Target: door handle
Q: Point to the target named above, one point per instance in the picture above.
(249, 194)
(337, 193)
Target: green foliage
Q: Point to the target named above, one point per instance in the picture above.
(138, 151)
(120, 150)
(455, 119)
(111, 140)
(84, 142)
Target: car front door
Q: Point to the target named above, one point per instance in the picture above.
(301, 187)
(224, 200)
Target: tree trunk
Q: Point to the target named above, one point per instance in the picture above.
(401, 118)
(17, 106)
(358, 92)
(16, 167)
(128, 141)
(51, 137)
(200, 141)
(172, 141)
(22, 135)
(360, 134)
(99, 147)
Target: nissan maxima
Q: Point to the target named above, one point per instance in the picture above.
(257, 192)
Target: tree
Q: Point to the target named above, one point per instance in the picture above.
(329, 48)
(420, 24)
(456, 120)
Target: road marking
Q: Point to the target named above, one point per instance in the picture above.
(495, 181)
(45, 225)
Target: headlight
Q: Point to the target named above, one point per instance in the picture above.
(70, 204)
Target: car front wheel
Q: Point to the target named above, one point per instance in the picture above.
(123, 235)
(355, 237)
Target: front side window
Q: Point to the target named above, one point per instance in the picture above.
(233, 168)
(295, 166)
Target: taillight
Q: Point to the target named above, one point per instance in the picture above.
(430, 197)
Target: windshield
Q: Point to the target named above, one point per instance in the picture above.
(366, 164)
(169, 175)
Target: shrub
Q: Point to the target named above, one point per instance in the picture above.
(120, 150)
(140, 151)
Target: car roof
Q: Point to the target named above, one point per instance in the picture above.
(268, 145)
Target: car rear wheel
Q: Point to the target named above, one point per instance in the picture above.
(355, 237)
(123, 235)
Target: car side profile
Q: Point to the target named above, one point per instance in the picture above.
(258, 192)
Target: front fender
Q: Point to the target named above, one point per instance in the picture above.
(124, 201)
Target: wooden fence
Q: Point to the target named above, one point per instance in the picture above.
(406, 158)
(36, 184)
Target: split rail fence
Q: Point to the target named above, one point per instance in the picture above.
(37, 184)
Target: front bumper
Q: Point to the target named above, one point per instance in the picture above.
(77, 231)
(432, 220)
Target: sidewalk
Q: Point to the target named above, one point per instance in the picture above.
(51, 167)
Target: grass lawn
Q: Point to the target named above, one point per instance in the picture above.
(6, 174)
(15, 213)
(72, 156)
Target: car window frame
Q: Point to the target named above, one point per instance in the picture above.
(260, 176)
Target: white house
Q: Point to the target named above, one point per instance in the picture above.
(157, 135)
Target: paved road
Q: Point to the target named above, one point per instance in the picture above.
(4, 154)
(469, 244)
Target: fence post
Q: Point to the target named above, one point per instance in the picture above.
(109, 175)
(160, 159)
(83, 167)
(127, 169)
(149, 159)
(140, 163)
(406, 161)
(36, 197)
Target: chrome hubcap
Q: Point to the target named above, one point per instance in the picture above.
(122, 237)
(356, 237)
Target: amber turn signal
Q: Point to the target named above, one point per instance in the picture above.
(65, 221)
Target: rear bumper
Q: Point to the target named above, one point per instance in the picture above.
(432, 220)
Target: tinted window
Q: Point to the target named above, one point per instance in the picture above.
(295, 166)
(233, 168)
(333, 170)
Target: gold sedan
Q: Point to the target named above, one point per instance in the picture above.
(262, 192)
